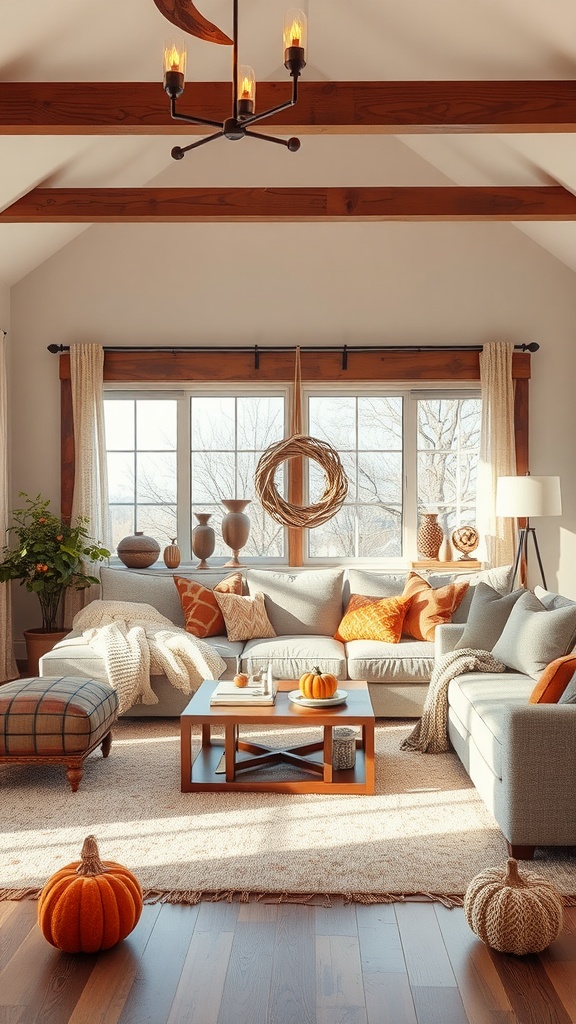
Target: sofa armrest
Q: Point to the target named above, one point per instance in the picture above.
(446, 636)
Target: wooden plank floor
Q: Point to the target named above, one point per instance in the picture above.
(259, 963)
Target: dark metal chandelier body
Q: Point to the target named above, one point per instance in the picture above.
(237, 126)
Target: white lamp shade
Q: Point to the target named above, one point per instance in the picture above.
(522, 497)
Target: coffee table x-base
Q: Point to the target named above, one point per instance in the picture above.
(223, 765)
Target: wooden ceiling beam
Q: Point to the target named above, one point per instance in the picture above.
(141, 108)
(197, 205)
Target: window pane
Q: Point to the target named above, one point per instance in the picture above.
(379, 531)
(335, 539)
(333, 419)
(447, 463)
(380, 424)
(119, 424)
(260, 422)
(121, 476)
(156, 425)
(123, 522)
(156, 477)
(317, 478)
(213, 476)
(380, 476)
(158, 521)
(213, 423)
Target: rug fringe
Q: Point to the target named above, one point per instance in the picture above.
(191, 897)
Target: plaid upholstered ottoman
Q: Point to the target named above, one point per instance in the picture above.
(56, 721)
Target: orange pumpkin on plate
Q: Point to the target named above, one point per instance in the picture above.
(317, 685)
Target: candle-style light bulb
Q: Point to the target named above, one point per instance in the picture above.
(246, 91)
(295, 40)
(174, 68)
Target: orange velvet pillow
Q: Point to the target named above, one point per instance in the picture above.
(202, 614)
(554, 680)
(429, 606)
(372, 618)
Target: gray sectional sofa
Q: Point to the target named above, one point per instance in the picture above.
(520, 756)
(305, 609)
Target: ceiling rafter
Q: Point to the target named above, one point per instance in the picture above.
(181, 205)
(124, 108)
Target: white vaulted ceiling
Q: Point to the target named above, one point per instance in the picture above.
(77, 41)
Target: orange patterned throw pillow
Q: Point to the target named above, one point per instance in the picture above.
(245, 617)
(372, 618)
(554, 680)
(429, 606)
(202, 614)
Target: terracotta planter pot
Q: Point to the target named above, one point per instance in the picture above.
(39, 642)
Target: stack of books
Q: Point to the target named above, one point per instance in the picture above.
(228, 693)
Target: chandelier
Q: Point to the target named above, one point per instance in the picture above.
(237, 126)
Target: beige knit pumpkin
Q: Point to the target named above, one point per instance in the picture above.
(513, 912)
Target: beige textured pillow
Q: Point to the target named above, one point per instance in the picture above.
(245, 617)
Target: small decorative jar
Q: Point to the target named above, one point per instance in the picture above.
(171, 555)
(343, 748)
(138, 551)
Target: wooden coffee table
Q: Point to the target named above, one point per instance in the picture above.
(211, 772)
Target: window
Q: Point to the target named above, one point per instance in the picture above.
(172, 454)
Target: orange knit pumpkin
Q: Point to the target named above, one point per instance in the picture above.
(317, 685)
(89, 905)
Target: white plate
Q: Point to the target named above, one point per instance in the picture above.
(309, 702)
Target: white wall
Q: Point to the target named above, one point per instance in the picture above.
(371, 283)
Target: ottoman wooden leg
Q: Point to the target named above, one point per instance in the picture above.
(106, 744)
(74, 775)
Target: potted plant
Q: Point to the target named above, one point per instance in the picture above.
(48, 557)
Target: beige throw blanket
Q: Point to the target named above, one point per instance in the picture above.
(135, 641)
(430, 734)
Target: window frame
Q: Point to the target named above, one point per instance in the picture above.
(158, 366)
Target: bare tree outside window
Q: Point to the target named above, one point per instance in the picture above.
(448, 450)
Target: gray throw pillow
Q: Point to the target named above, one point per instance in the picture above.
(300, 603)
(489, 611)
(534, 636)
(551, 600)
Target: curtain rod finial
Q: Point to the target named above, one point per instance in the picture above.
(55, 348)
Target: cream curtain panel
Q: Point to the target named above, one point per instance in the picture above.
(8, 667)
(90, 497)
(497, 450)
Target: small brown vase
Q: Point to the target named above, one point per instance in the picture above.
(171, 555)
(429, 535)
(203, 539)
(138, 551)
(235, 528)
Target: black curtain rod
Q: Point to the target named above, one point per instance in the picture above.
(533, 346)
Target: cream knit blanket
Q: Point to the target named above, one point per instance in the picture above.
(135, 641)
(430, 734)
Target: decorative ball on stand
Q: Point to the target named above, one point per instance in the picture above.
(465, 539)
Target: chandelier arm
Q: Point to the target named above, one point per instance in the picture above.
(266, 138)
(190, 119)
(275, 110)
(200, 142)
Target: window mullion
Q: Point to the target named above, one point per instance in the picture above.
(410, 473)
(183, 476)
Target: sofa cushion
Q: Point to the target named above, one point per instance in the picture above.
(202, 615)
(410, 661)
(245, 617)
(534, 635)
(372, 584)
(500, 578)
(487, 617)
(554, 680)
(480, 702)
(551, 600)
(370, 618)
(428, 606)
(291, 656)
(153, 588)
(307, 603)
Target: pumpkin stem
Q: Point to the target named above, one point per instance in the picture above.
(317, 671)
(513, 876)
(90, 855)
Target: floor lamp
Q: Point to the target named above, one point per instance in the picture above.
(527, 497)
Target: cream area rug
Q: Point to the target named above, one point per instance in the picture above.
(425, 831)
